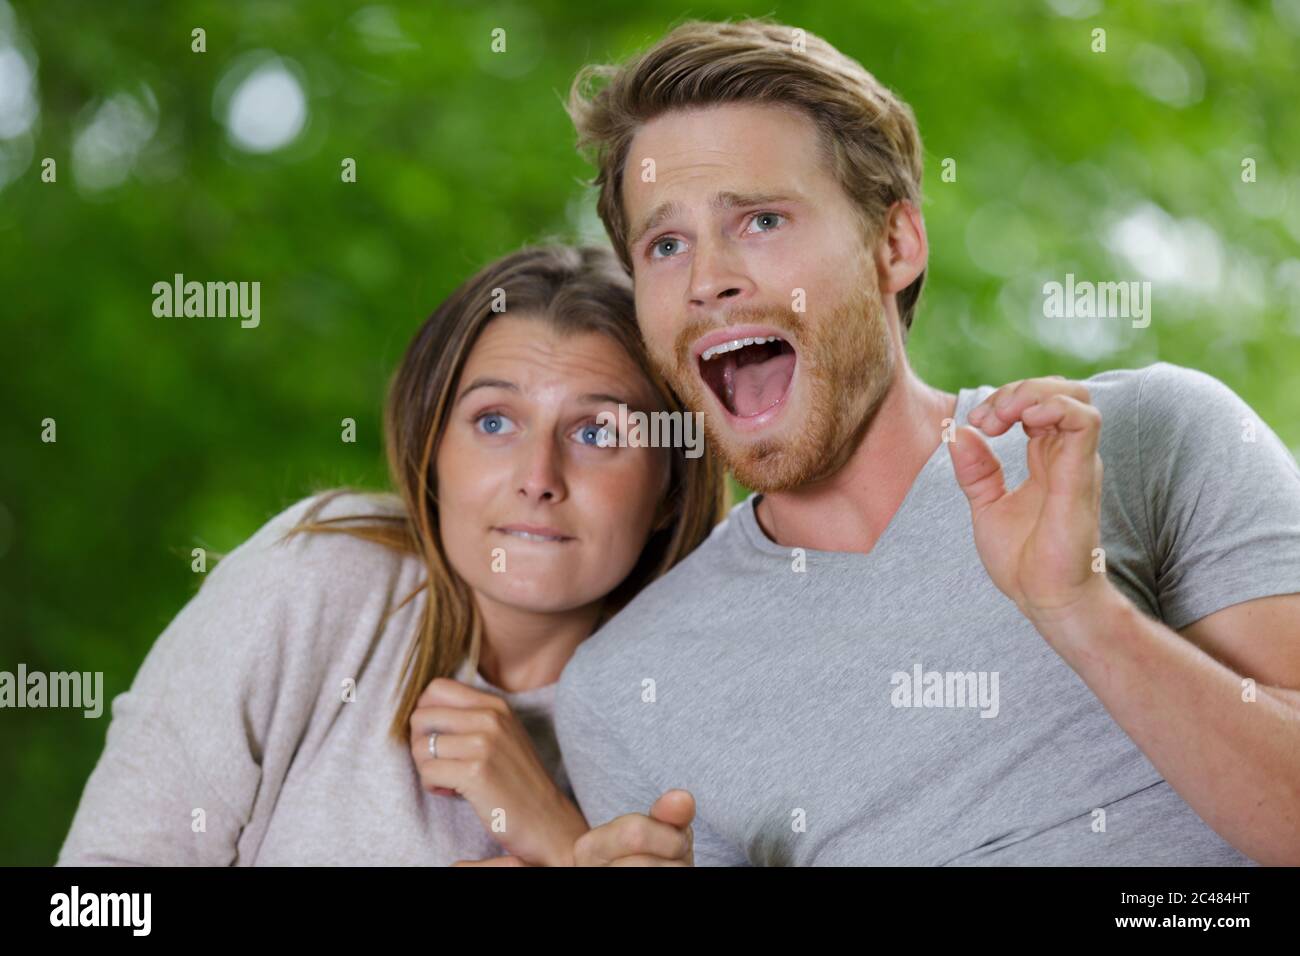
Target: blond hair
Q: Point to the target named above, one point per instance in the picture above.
(868, 135)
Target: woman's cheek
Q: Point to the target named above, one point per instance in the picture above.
(628, 505)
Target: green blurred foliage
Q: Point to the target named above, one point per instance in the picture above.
(181, 433)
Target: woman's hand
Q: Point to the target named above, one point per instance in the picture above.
(486, 756)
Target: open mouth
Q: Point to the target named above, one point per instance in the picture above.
(749, 375)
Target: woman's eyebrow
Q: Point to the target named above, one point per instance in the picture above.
(636, 405)
(482, 382)
(591, 398)
(599, 398)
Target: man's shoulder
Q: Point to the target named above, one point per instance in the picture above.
(1159, 388)
(1161, 402)
(668, 614)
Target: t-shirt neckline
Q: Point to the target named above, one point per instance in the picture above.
(534, 697)
(753, 531)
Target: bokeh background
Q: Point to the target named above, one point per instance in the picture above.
(226, 165)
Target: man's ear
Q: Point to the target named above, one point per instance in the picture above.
(902, 256)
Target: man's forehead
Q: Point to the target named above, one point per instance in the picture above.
(733, 143)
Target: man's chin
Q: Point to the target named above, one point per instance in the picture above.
(769, 464)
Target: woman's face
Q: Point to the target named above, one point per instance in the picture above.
(533, 512)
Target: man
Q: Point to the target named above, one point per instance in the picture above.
(939, 633)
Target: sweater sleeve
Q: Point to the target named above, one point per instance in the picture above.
(215, 711)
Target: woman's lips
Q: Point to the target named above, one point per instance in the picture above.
(532, 532)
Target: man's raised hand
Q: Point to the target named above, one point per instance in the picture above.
(1037, 541)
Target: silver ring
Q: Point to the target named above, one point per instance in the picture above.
(433, 744)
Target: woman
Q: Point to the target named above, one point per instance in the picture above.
(276, 718)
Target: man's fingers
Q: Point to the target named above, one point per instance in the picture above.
(633, 834)
(1003, 408)
(676, 807)
(644, 860)
(978, 471)
(493, 861)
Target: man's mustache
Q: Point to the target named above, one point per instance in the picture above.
(777, 318)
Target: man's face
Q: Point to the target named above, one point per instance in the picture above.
(753, 238)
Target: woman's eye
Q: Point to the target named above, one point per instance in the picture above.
(493, 423)
(659, 246)
(767, 217)
(597, 436)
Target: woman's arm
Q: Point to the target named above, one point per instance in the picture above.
(212, 719)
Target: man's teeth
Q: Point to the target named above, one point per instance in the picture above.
(529, 536)
(736, 344)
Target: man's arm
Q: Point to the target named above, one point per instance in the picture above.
(1224, 538)
(1233, 755)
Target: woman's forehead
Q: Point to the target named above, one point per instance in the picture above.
(534, 353)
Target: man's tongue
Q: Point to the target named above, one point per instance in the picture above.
(757, 385)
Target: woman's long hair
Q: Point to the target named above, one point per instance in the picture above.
(576, 290)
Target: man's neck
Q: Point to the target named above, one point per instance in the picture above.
(849, 510)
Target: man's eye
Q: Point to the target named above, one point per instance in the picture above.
(659, 246)
(493, 423)
(767, 217)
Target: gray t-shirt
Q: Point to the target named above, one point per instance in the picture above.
(799, 707)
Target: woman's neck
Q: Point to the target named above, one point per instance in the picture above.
(523, 650)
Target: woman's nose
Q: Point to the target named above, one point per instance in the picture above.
(541, 472)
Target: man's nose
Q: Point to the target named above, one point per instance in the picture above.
(717, 273)
(541, 471)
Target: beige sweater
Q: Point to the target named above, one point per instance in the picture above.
(235, 745)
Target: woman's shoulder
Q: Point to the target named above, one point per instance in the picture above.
(339, 548)
(318, 530)
(285, 592)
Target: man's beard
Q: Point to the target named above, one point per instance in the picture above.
(846, 366)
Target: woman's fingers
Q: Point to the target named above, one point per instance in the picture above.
(463, 735)
(442, 774)
(452, 720)
(445, 692)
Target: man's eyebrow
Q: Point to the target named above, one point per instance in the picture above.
(723, 200)
(482, 382)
